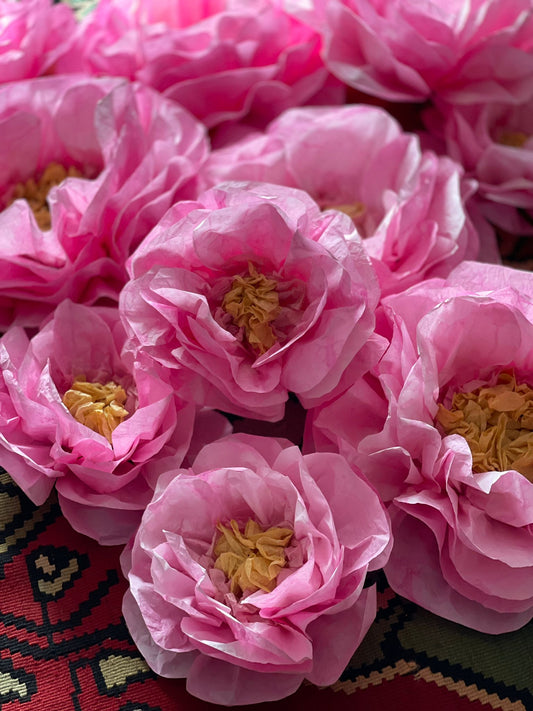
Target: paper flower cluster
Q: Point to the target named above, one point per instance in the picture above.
(201, 230)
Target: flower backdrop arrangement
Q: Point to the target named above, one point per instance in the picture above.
(211, 211)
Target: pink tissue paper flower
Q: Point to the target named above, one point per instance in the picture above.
(192, 616)
(87, 167)
(223, 60)
(251, 292)
(462, 515)
(94, 442)
(407, 204)
(33, 35)
(407, 51)
(494, 143)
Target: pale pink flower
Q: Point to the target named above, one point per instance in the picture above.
(463, 536)
(223, 60)
(494, 142)
(33, 34)
(244, 646)
(130, 154)
(408, 204)
(407, 51)
(251, 292)
(99, 475)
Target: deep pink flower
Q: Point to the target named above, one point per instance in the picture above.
(405, 51)
(462, 527)
(223, 60)
(130, 154)
(240, 645)
(107, 42)
(33, 34)
(408, 204)
(249, 293)
(99, 472)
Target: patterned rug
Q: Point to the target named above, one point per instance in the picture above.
(64, 645)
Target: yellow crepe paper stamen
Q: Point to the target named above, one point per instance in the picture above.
(497, 423)
(515, 139)
(253, 559)
(253, 303)
(97, 406)
(36, 192)
(355, 210)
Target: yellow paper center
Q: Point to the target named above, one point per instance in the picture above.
(97, 406)
(253, 303)
(354, 210)
(253, 559)
(515, 139)
(36, 192)
(497, 423)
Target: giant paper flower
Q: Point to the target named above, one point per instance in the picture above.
(246, 574)
(33, 34)
(87, 167)
(448, 440)
(75, 414)
(405, 51)
(223, 60)
(408, 204)
(249, 293)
